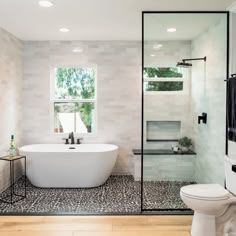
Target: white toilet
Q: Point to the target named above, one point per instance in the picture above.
(211, 202)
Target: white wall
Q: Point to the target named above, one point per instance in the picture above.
(208, 95)
(10, 102)
(118, 91)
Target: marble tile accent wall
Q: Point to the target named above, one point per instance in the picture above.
(118, 92)
(208, 95)
(10, 102)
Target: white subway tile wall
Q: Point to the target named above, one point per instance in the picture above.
(169, 106)
(208, 95)
(10, 101)
(118, 92)
(27, 104)
(165, 168)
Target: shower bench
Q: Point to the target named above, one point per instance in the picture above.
(164, 165)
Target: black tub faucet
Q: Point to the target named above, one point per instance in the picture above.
(71, 136)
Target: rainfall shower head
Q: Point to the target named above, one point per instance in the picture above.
(184, 64)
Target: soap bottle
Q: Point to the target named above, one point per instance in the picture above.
(12, 149)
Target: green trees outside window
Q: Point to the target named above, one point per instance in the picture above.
(75, 84)
(165, 72)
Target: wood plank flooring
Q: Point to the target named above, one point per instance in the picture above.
(95, 225)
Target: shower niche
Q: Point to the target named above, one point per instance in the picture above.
(163, 130)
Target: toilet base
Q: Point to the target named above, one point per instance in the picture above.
(203, 225)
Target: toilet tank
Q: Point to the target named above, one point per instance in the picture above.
(230, 173)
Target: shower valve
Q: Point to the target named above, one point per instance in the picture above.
(202, 118)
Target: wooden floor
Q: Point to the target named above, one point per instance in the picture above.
(95, 225)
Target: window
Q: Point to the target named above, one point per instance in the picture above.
(74, 99)
(163, 79)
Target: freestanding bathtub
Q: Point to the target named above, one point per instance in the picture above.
(69, 166)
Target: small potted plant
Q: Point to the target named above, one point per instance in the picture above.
(185, 143)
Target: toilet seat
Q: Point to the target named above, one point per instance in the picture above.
(206, 192)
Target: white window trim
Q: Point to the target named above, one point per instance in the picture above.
(185, 79)
(54, 100)
(161, 79)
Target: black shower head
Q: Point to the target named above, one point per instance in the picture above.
(183, 64)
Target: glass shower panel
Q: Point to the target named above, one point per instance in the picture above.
(183, 77)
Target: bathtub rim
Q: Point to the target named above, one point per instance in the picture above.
(25, 149)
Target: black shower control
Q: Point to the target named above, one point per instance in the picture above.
(202, 118)
(234, 169)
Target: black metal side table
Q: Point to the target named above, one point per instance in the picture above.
(11, 161)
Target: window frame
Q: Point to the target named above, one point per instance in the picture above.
(185, 79)
(54, 100)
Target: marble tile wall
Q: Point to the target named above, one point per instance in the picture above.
(10, 101)
(165, 168)
(208, 95)
(118, 92)
(168, 106)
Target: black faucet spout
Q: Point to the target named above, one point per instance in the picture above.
(71, 136)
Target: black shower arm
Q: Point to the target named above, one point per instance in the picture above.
(195, 59)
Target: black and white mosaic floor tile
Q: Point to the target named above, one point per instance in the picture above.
(120, 194)
(163, 195)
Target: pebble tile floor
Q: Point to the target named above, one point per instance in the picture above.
(120, 194)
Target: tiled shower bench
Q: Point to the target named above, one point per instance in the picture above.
(164, 165)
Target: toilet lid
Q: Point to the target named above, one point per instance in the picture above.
(205, 191)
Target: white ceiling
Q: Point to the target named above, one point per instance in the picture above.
(188, 26)
(89, 19)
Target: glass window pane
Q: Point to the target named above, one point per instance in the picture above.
(162, 72)
(74, 83)
(73, 116)
(163, 86)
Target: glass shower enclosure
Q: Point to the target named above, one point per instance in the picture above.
(185, 63)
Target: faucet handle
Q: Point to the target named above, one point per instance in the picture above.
(78, 140)
(67, 140)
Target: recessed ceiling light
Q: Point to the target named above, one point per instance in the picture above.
(45, 3)
(152, 55)
(77, 50)
(171, 30)
(157, 46)
(64, 30)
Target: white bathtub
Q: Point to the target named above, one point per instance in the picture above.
(58, 166)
